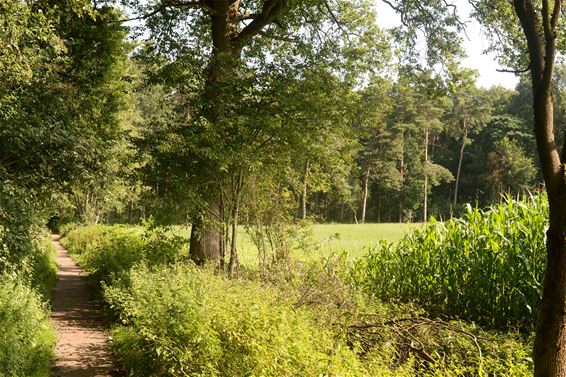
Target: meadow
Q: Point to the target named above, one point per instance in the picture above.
(325, 239)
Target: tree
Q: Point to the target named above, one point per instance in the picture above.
(59, 111)
(246, 41)
(470, 112)
(509, 169)
(375, 136)
(538, 23)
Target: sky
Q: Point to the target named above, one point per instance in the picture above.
(475, 43)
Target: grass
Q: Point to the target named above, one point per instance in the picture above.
(354, 239)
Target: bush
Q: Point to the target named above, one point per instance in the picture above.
(106, 252)
(42, 267)
(402, 339)
(185, 321)
(27, 339)
(486, 267)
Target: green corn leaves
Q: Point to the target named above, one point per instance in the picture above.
(486, 266)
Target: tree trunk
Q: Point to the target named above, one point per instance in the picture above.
(234, 260)
(205, 238)
(304, 193)
(459, 169)
(378, 208)
(402, 176)
(550, 341)
(365, 199)
(224, 234)
(540, 33)
(222, 68)
(425, 207)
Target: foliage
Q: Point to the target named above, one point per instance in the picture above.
(486, 266)
(510, 169)
(60, 107)
(42, 266)
(27, 338)
(404, 341)
(186, 321)
(301, 317)
(106, 252)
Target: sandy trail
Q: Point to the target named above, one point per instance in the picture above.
(82, 348)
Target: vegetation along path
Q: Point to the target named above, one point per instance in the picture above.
(82, 348)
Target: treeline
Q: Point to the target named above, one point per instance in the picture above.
(317, 147)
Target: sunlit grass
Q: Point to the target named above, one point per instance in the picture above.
(354, 239)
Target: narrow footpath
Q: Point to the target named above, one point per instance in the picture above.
(82, 347)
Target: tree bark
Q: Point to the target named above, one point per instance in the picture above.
(550, 341)
(459, 169)
(402, 176)
(366, 189)
(540, 33)
(205, 239)
(304, 193)
(425, 206)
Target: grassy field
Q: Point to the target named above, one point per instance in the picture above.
(355, 238)
(331, 238)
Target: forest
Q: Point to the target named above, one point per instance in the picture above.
(225, 172)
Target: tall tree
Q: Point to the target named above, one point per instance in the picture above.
(56, 116)
(539, 25)
(232, 41)
(469, 114)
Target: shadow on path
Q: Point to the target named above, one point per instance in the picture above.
(82, 348)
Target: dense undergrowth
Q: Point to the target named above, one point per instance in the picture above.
(27, 339)
(486, 267)
(174, 319)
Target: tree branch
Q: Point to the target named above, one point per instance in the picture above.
(338, 23)
(279, 38)
(161, 8)
(515, 71)
(271, 10)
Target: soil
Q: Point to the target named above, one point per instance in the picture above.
(82, 342)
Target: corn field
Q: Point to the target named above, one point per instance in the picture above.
(486, 266)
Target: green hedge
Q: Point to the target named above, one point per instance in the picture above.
(486, 266)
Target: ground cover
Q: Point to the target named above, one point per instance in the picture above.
(172, 317)
(27, 337)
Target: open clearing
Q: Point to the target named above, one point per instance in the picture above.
(354, 239)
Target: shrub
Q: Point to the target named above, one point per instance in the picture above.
(27, 339)
(105, 252)
(402, 339)
(185, 321)
(486, 266)
(42, 267)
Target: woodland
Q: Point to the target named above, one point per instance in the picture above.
(123, 122)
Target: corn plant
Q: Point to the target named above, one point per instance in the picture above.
(486, 266)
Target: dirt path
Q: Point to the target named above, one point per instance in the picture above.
(82, 348)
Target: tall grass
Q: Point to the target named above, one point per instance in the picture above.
(486, 266)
